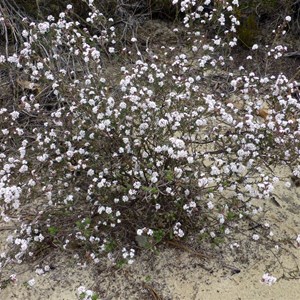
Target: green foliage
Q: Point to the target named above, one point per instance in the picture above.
(39, 9)
(231, 216)
(169, 175)
(84, 223)
(217, 241)
(121, 263)
(270, 5)
(149, 242)
(84, 295)
(259, 16)
(203, 237)
(53, 230)
(84, 227)
(110, 246)
(143, 241)
(158, 235)
(248, 31)
(163, 9)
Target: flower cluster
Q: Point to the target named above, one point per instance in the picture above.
(86, 294)
(268, 279)
(150, 147)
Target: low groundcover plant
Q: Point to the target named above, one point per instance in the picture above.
(107, 148)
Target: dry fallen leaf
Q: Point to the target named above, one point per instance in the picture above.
(71, 167)
(263, 113)
(27, 85)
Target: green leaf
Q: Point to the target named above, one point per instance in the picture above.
(95, 297)
(82, 296)
(143, 241)
(218, 240)
(169, 175)
(52, 230)
(110, 246)
(152, 190)
(158, 235)
(231, 216)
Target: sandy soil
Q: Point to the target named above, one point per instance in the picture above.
(174, 273)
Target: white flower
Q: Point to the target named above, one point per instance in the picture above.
(268, 279)
(150, 232)
(234, 245)
(178, 143)
(47, 268)
(288, 18)
(90, 172)
(108, 210)
(23, 169)
(162, 123)
(50, 18)
(5, 131)
(13, 277)
(81, 290)
(25, 33)
(298, 240)
(139, 231)
(180, 233)
(13, 59)
(49, 75)
(210, 205)
(221, 219)
(31, 282)
(137, 185)
(255, 237)
(43, 27)
(39, 271)
(14, 115)
(254, 47)
(40, 65)
(202, 182)
(154, 177)
(177, 231)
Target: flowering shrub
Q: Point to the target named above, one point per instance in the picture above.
(103, 160)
